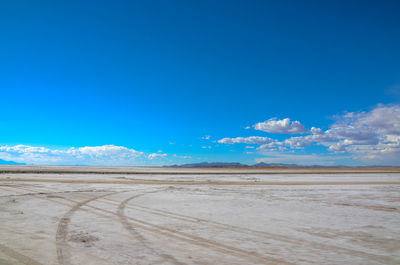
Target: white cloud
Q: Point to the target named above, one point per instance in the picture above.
(385, 118)
(206, 137)
(89, 155)
(284, 126)
(246, 140)
(371, 137)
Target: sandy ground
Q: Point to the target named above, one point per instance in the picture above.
(83, 215)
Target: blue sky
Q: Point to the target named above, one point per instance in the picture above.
(144, 82)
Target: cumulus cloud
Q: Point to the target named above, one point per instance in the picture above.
(246, 140)
(362, 133)
(284, 126)
(372, 137)
(89, 155)
(378, 137)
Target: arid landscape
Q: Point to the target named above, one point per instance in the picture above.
(128, 215)
(199, 132)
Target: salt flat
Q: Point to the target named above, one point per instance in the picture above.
(92, 215)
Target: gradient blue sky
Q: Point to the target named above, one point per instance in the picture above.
(158, 76)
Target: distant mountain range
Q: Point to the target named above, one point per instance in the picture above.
(4, 162)
(213, 164)
(234, 164)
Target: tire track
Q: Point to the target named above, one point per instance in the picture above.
(62, 249)
(196, 240)
(262, 234)
(319, 246)
(289, 240)
(156, 229)
(37, 194)
(131, 229)
(159, 230)
(63, 255)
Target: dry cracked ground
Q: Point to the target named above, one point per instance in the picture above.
(88, 215)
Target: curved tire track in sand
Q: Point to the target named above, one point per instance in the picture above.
(63, 251)
(133, 232)
(131, 229)
(63, 255)
(62, 247)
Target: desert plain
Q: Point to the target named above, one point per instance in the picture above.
(137, 215)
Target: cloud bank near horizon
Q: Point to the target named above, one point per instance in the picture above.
(371, 137)
(111, 155)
